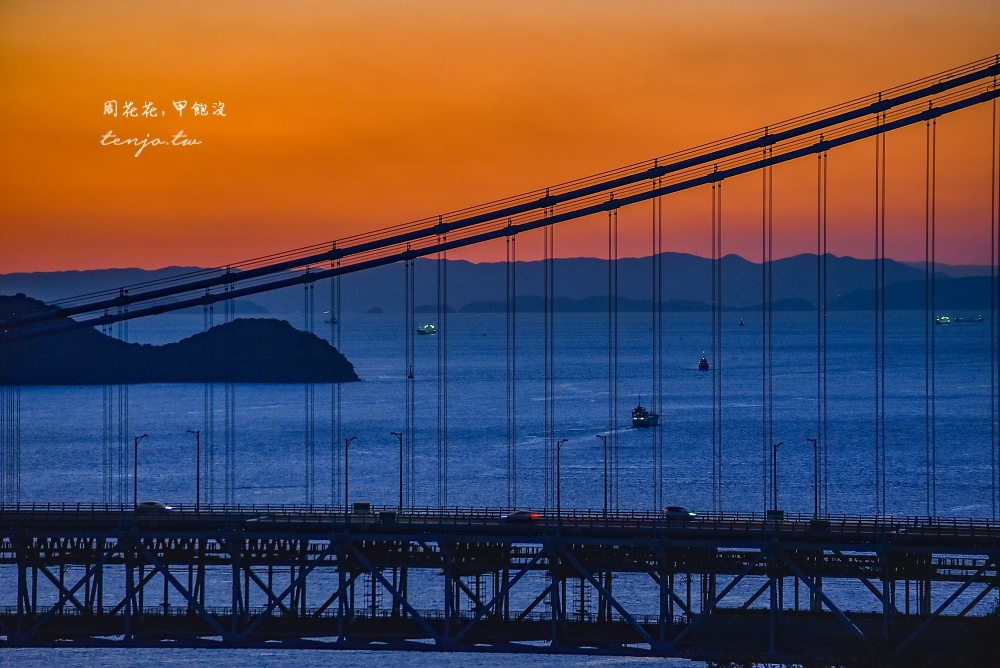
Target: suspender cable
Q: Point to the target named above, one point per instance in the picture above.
(770, 325)
(549, 364)
(552, 353)
(123, 405)
(107, 435)
(930, 308)
(659, 338)
(714, 335)
(657, 393)
(547, 454)
(230, 428)
(336, 396)
(10, 425)
(716, 354)
(511, 285)
(310, 405)
(410, 435)
(880, 477)
(824, 455)
(442, 377)
(613, 356)
(994, 215)
(820, 460)
(208, 429)
(767, 332)
(718, 346)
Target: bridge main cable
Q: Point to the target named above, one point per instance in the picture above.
(967, 98)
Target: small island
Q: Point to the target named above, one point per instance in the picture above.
(246, 350)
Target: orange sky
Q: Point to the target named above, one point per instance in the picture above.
(349, 116)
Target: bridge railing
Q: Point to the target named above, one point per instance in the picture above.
(472, 516)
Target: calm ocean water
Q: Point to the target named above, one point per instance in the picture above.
(62, 426)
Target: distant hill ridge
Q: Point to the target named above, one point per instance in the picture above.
(687, 279)
(242, 351)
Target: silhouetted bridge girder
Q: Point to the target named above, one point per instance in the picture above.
(450, 580)
(908, 104)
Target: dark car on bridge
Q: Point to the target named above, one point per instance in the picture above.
(152, 507)
(678, 513)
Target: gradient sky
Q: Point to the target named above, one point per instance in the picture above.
(350, 116)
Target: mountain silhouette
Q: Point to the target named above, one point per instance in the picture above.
(687, 280)
(243, 351)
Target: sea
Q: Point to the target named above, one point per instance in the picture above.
(62, 431)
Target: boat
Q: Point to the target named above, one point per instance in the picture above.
(427, 330)
(643, 419)
(942, 320)
(976, 319)
(742, 323)
(703, 364)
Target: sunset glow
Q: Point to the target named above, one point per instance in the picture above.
(351, 116)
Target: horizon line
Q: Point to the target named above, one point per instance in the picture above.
(574, 257)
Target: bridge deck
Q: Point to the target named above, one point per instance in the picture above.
(714, 586)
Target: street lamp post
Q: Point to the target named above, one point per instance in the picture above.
(815, 442)
(774, 473)
(135, 471)
(197, 468)
(559, 479)
(399, 435)
(604, 439)
(347, 473)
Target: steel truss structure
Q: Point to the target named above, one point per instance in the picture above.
(451, 580)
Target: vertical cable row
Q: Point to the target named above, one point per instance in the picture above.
(511, 284)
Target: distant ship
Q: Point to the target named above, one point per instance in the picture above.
(703, 364)
(742, 323)
(427, 330)
(643, 419)
(976, 319)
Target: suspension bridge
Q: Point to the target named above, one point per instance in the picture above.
(477, 557)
